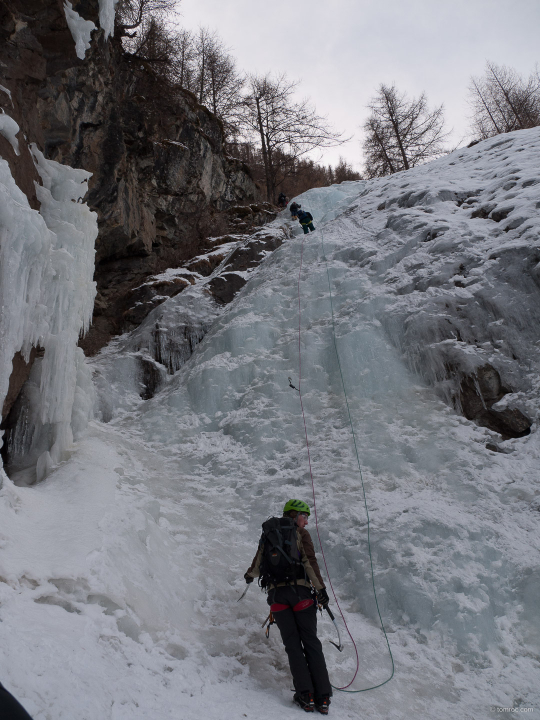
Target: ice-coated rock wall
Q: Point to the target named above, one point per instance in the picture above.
(161, 179)
(46, 297)
(451, 251)
(135, 365)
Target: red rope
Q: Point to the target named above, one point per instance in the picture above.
(311, 473)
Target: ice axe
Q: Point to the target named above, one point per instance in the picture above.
(243, 595)
(337, 645)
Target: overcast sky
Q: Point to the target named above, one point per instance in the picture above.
(341, 50)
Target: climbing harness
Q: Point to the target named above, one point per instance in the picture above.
(344, 687)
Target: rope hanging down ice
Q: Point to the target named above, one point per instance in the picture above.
(344, 687)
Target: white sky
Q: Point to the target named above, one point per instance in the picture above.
(341, 50)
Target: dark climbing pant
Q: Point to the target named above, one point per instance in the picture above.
(10, 709)
(310, 226)
(296, 617)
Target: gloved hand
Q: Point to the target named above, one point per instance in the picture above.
(248, 578)
(322, 597)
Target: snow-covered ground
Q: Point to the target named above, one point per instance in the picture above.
(120, 572)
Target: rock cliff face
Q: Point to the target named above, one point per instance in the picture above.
(161, 183)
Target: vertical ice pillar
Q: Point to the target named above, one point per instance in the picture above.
(46, 299)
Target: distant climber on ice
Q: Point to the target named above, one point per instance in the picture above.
(306, 221)
(287, 568)
(294, 207)
(282, 200)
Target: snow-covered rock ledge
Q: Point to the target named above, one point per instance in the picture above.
(134, 366)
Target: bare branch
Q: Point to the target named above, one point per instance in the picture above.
(130, 14)
(401, 133)
(283, 126)
(503, 101)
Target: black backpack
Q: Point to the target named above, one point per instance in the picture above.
(280, 562)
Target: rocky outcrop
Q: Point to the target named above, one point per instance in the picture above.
(248, 256)
(162, 182)
(19, 375)
(176, 321)
(480, 392)
(144, 298)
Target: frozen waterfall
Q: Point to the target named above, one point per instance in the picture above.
(120, 573)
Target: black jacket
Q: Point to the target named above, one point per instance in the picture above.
(304, 217)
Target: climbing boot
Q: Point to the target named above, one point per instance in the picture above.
(305, 701)
(322, 703)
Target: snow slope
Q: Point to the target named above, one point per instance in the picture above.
(120, 573)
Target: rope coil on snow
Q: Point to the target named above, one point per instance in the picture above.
(344, 687)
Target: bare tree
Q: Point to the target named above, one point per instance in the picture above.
(401, 133)
(503, 101)
(131, 14)
(219, 83)
(204, 44)
(154, 43)
(199, 63)
(284, 128)
(343, 171)
(184, 59)
(306, 172)
(204, 66)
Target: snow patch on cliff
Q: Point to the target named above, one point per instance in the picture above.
(80, 28)
(106, 16)
(9, 129)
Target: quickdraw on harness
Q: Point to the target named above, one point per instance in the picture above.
(268, 622)
(292, 386)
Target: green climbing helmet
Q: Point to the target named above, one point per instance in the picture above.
(298, 505)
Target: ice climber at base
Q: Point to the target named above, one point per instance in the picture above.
(288, 571)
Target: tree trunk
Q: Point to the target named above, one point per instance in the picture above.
(214, 96)
(397, 133)
(487, 108)
(398, 137)
(264, 151)
(386, 156)
(508, 100)
(271, 173)
(201, 86)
